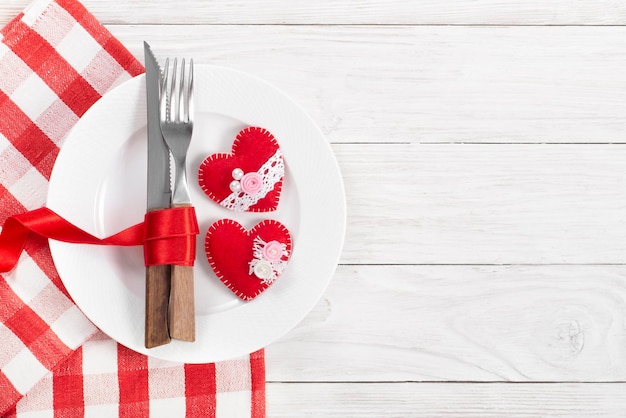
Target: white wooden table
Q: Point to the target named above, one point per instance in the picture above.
(483, 147)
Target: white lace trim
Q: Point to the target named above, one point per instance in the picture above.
(277, 266)
(271, 172)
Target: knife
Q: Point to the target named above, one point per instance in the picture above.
(159, 194)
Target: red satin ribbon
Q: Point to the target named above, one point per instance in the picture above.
(168, 236)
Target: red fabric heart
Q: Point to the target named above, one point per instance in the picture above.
(241, 258)
(257, 157)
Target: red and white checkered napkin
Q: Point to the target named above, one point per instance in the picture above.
(56, 60)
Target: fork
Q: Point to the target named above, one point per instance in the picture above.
(176, 110)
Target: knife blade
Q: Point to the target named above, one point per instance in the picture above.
(159, 195)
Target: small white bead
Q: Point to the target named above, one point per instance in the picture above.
(235, 187)
(237, 173)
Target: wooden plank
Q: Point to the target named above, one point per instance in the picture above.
(460, 323)
(448, 400)
(427, 84)
(484, 204)
(407, 12)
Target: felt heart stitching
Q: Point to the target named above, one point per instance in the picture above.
(248, 262)
(250, 178)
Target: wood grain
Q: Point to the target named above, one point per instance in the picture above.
(385, 97)
(427, 84)
(393, 12)
(441, 120)
(484, 204)
(448, 400)
(461, 323)
(182, 319)
(157, 297)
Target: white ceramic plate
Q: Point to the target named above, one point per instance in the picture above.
(99, 184)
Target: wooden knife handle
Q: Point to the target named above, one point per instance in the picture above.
(182, 310)
(157, 297)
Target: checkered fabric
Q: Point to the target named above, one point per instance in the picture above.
(56, 60)
(105, 379)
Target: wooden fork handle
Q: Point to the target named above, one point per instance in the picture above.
(157, 297)
(182, 322)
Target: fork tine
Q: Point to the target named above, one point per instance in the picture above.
(163, 91)
(190, 105)
(166, 70)
(182, 109)
(173, 102)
